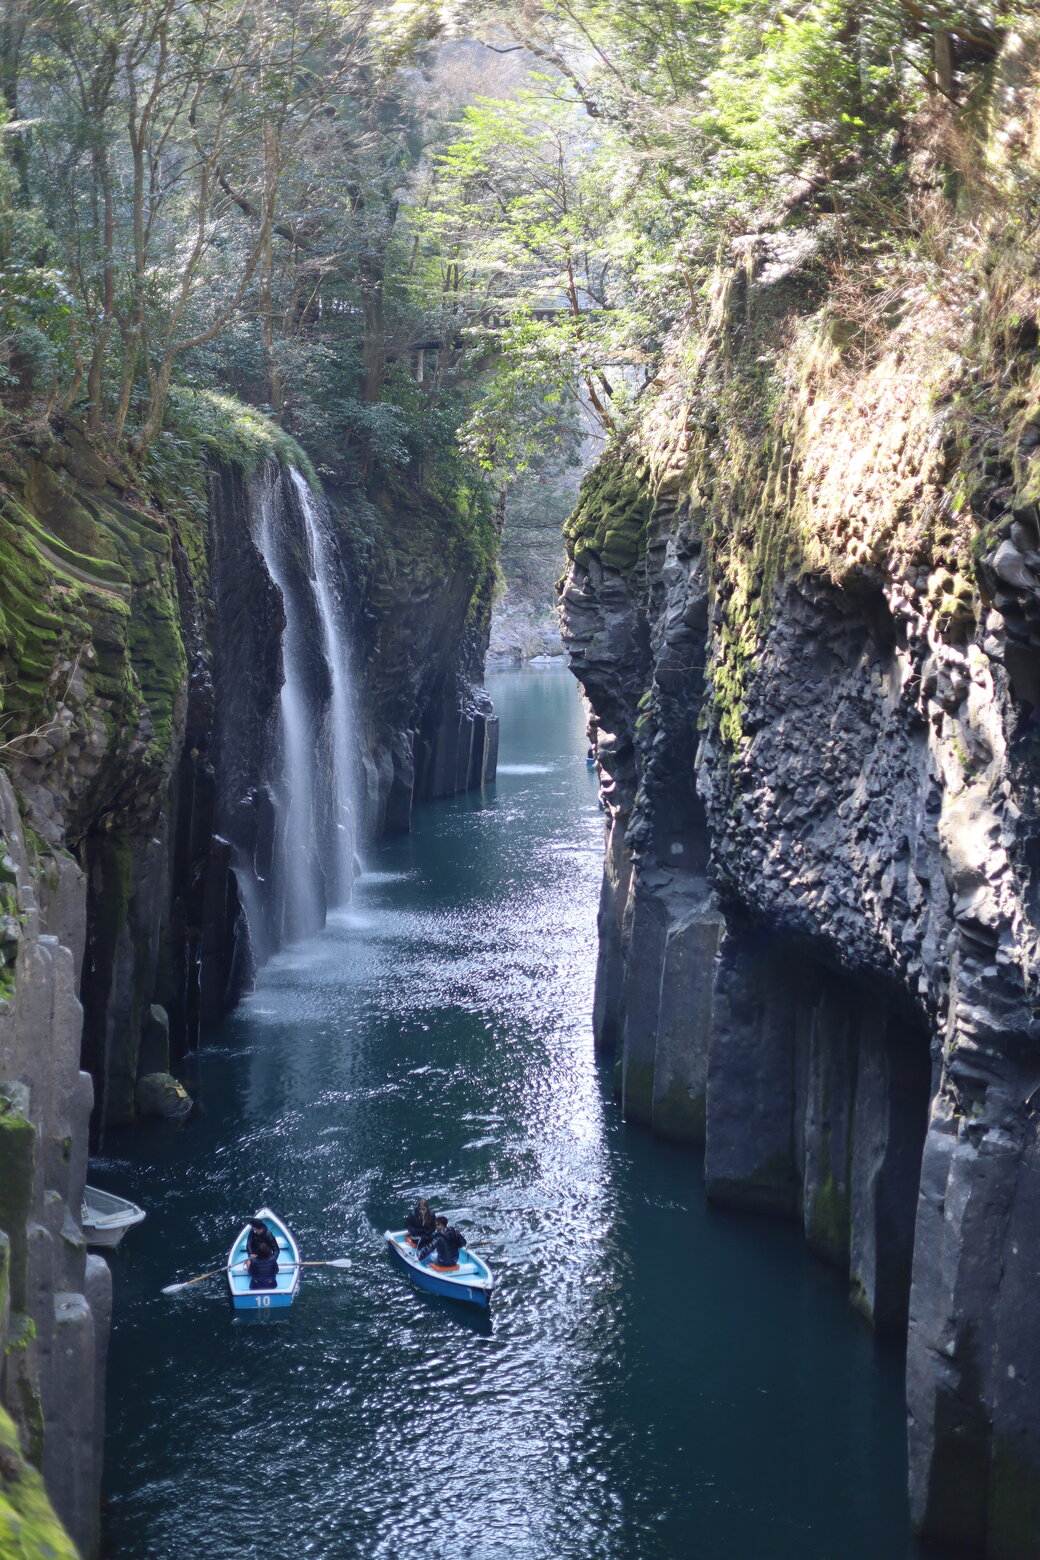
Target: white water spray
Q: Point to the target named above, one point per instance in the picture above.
(315, 793)
(341, 723)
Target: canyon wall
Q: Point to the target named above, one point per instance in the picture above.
(55, 1298)
(144, 871)
(803, 599)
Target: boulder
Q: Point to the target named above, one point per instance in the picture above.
(159, 1094)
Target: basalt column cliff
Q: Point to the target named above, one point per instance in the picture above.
(210, 706)
(804, 602)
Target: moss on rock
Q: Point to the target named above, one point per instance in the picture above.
(612, 514)
(828, 1222)
(17, 1160)
(29, 1528)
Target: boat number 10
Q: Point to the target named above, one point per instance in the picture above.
(263, 1300)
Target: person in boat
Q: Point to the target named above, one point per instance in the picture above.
(260, 1235)
(420, 1223)
(262, 1266)
(443, 1246)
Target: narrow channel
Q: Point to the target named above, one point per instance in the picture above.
(655, 1381)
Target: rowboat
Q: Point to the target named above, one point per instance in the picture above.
(106, 1218)
(288, 1280)
(471, 1279)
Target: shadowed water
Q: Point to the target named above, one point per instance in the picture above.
(655, 1381)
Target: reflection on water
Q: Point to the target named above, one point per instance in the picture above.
(655, 1381)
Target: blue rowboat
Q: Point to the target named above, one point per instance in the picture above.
(288, 1280)
(470, 1280)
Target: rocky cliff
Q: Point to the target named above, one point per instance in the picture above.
(803, 601)
(55, 1299)
(145, 626)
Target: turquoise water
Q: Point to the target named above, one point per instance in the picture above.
(655, 1381)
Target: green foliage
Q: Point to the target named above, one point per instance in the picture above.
(29, 1529)
(230, 431)
(35, 303)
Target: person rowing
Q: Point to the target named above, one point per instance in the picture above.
(262, 1266)
(441, 1249)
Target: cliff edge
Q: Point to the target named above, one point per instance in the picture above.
(803, 599)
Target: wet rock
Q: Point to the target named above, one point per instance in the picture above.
(159, 1094)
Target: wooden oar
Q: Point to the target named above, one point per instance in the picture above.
(172, 1289)
(340, 1262)
(336, 1262)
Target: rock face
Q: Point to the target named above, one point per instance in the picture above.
(55, 1300)
(142, 663)
(424, 610)
(523, 631)
(817, 960)
(143, 869)
(814, 689)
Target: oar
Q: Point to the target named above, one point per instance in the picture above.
(336, 1262)
(340, 1262)
(172, 1289)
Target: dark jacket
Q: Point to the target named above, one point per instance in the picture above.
(254, 1239)
(418, 1228)
(263, 1272)
(445, 1246)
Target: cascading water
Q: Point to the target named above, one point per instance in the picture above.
(313, 779)
(340, 720)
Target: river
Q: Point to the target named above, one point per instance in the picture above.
(656, 1380)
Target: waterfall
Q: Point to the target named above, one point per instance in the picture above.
(341, 724)
(314, 763)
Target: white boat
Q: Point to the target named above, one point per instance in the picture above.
(106, 1217)
(283, 1292)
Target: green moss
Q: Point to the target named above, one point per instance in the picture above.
(114, 611)
(29, 1528)
(159, 663)
(30, 1409)
(21, 1332)
(229, 431)
(420, 544)
(612, 514)
(78, 565)
(17, 1165)
(10, 938)
(731, 668)
(828, 1221)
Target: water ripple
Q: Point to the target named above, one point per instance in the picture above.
(435, 1039)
